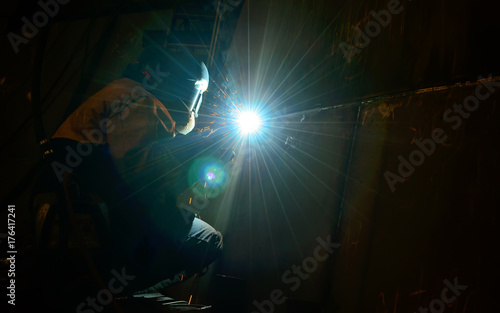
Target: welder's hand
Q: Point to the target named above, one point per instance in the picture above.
(186, 129)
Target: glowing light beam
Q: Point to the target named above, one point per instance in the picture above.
(249, 122)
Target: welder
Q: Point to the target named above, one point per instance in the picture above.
(119, 143)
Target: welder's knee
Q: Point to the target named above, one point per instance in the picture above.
(204, 243)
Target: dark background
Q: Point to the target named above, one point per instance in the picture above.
(349, 122)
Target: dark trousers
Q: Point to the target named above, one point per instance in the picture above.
(151, 239)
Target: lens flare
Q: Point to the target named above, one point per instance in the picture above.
(210, 176)
(248, 122)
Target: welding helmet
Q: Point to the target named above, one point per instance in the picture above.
(178, 80)
(191, 96)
